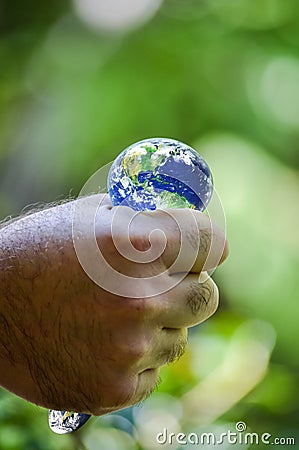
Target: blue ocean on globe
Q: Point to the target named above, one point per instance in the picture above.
(160, 173)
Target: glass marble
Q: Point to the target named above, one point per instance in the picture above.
(160, 173)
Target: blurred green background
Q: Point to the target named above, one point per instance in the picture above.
(81, 80)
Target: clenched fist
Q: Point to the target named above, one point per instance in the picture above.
(88, 315)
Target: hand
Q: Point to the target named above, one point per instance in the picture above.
(75, 345)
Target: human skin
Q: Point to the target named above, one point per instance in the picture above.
(65, 341)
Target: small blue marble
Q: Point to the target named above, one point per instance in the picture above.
(160, 173)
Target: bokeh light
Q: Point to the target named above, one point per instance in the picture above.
(280, 91)
(116, 15)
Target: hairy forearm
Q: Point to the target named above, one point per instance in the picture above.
(36, 254)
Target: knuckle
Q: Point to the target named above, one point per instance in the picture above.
(140, 240)
(130, 350)
(202, 298)
(174, 350)
(214, 303)
(137, 349)
(205, 240)
(143, 309)
(147, 234)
